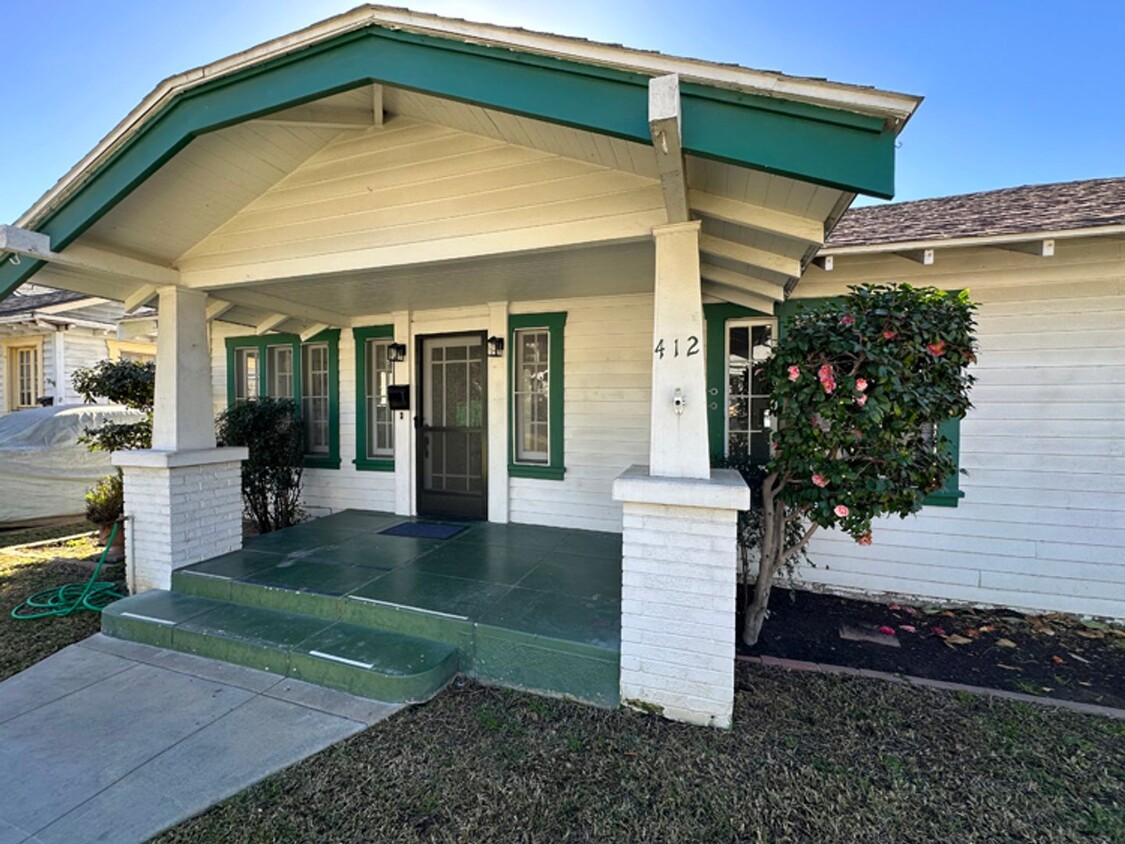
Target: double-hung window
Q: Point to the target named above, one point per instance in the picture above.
(282, 366)
(25, 376)
(536, 355)
(375, 428)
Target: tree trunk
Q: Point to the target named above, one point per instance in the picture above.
(772, 548)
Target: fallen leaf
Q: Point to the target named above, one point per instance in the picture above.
(1091, 624)
(1005, 643)
(971, 633)
(1090, 634)
(1058, 660)
(986, 628)
(1008, 667)
(1084, 683)
(949, 614)
(957, 640)
(929, 609)
(1083, 660)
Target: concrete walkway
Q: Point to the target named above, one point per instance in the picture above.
(113, 741)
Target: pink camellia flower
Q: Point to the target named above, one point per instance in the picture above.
(842, 511)
(820, 480)
(888, 334)
(861, 400)
(794, 373)
(847, 320)
(863, 538)
(826, 378)
(887, 631)
(936, 349)
(861, 384)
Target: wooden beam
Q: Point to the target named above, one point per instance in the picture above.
(825, 262)
(1038, 248)
(276, 305)
(312, 331)
(377, 104)
(321, 116)
(664, 123)
(216, 308)
(737, 297)
(84, 258)
(756, 217)
(925, 257)
(139, 297)
(270, 323)
(750, 255)
(757, 286)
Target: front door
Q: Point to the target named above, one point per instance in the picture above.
(453, 426)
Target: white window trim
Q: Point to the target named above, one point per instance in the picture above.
(11, 385)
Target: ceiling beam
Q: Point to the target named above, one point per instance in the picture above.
(270, 323)
(825, 262)
(1039, 248)
(323, 116)
(216, 308)
(737, 297)
(277, 305)
(34, 245)
(757, 286)
(139, 297)
(310, 332)
(377, 104)
(664, 123)
(925, 257)
(767, 220)
(750, 255)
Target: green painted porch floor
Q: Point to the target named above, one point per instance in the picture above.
(334, 601)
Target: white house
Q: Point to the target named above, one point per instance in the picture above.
(46, 334)
(562, 250)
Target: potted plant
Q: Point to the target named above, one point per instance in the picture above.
(105, 504)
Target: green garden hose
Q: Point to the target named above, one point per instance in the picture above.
(94, 595)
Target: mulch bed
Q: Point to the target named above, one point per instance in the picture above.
(1055, 655)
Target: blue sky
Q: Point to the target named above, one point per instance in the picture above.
(1016, 92)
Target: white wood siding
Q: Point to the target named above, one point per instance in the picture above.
(607, 390)
(1042, 523)
(83, 348)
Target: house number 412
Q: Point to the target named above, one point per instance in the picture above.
(690, 347)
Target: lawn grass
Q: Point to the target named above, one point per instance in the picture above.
(811, 758)
(27, 570)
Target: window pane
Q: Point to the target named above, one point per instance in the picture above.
(314, 399)
(380, 419)
(748, 419)
(531, 396)
(280, 368)
(246, 374)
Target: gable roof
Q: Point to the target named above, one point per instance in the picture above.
(1029, 209)
(30, 302)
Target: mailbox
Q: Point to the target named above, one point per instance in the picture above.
(398, 396)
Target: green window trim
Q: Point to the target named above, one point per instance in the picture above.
(716, 317)
(331, 337)
(555, 324)
(362, 335)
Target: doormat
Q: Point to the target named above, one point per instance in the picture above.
(425, 530)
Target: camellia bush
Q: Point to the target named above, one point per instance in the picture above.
(126, 382)
(859, 386)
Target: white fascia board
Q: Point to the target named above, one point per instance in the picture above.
(895, 108)
(962, 242)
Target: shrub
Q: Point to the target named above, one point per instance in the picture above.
(126, 382)
(105, 502)
(271, 476)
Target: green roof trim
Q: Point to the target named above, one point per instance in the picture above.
(809, 142)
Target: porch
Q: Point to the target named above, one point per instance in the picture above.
(339, 602)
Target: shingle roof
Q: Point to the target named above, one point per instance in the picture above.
(1026, 209)
(26, 303)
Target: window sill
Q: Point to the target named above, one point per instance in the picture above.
(377, 465)
(543, 473)
(943, 499)
(325, 462)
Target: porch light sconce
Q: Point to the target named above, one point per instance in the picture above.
(396, 352)
(496, 347)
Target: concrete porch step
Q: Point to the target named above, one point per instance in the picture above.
(373, 663)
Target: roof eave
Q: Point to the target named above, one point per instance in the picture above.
(968, 242)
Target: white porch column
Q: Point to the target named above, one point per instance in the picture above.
(498, 416)
(679, 529)
(678, 445)
(404, 421)
(183, 497)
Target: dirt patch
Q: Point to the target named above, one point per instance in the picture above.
(1053, 655)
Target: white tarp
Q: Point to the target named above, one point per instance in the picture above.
(44, 471)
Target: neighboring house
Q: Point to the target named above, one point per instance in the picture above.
(561, 253)
(1038, 521)
(46, 334)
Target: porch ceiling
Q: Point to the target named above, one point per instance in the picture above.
(516, 161)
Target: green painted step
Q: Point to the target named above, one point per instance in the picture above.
(373, 663)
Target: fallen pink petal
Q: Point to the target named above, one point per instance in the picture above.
(887, 631)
